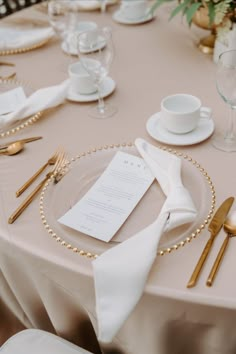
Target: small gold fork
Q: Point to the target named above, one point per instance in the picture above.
(51, 161)
(61, 160)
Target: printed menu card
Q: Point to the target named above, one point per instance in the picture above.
(105, 207)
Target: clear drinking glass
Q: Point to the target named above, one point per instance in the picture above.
(58, 14)
(96, 53)
(103, 4)
(63, 18)
(226, 87)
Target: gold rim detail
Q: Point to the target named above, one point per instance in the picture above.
(23, 50)
(162, 252)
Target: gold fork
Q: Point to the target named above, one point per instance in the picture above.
(51, 161)
(61, 160)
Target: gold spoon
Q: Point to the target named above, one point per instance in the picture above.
(13, 148)
(230, 228)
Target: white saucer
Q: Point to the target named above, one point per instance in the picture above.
(204, 129)
(118, 17)
(73, 51)
(107, 87)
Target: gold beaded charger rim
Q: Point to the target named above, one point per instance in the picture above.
(161, 252)
(20, 125)
(24, 49)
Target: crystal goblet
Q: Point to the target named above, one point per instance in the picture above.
(96, 53)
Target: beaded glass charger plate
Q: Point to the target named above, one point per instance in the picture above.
(16, 29)
(82, 172)
(13, 128)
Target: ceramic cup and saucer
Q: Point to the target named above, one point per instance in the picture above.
(182, 121)
(69, 45)
(132, 12)
(82, 88)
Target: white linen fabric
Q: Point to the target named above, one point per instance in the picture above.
(91, 4)
(17, 38)
(40, 100)
(35, 341)
(119, 275)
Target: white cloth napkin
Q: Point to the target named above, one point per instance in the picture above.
(92, 4)
(15, 38)
(120, 274)
(40, 100)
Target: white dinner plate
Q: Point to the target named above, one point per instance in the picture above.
(73, 50)
(107, 87)
(118, 17)
(204, 130)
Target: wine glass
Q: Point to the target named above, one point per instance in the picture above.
(226, 87)
(58, 13)
(63, 19)
(96, 52)
(103, 4)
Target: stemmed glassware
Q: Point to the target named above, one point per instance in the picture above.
(63, 19)
(103, 4)
(58, 13)
(226, 87)
(96, 53)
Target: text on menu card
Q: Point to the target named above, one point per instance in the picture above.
(105, 207)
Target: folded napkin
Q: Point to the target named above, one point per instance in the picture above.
(120, 274)
(16, 38)
(40, 100)
(92, 4)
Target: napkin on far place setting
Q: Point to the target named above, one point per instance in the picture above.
(120, 274)
(91, 4)
(17, 38)
(40, 100)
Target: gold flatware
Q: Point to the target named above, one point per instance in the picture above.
(7, 63)
(214, 228)
(12, 149)
(230, 228)
(8, 77)
(11, 76)
(51, 161)
(59, 163)
(26, 140)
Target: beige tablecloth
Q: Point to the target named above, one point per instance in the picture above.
(44, 285)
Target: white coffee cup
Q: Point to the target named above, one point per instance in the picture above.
(133, 9)
(70, 42)
(180, 113)
(84, 26)
(80, 80)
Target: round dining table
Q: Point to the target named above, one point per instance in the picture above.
(46, 283)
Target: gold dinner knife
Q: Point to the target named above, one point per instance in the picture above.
(214, 228)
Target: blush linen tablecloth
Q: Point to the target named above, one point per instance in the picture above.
(44, 285)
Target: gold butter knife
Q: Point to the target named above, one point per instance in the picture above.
(26, 140)
(214, 228)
